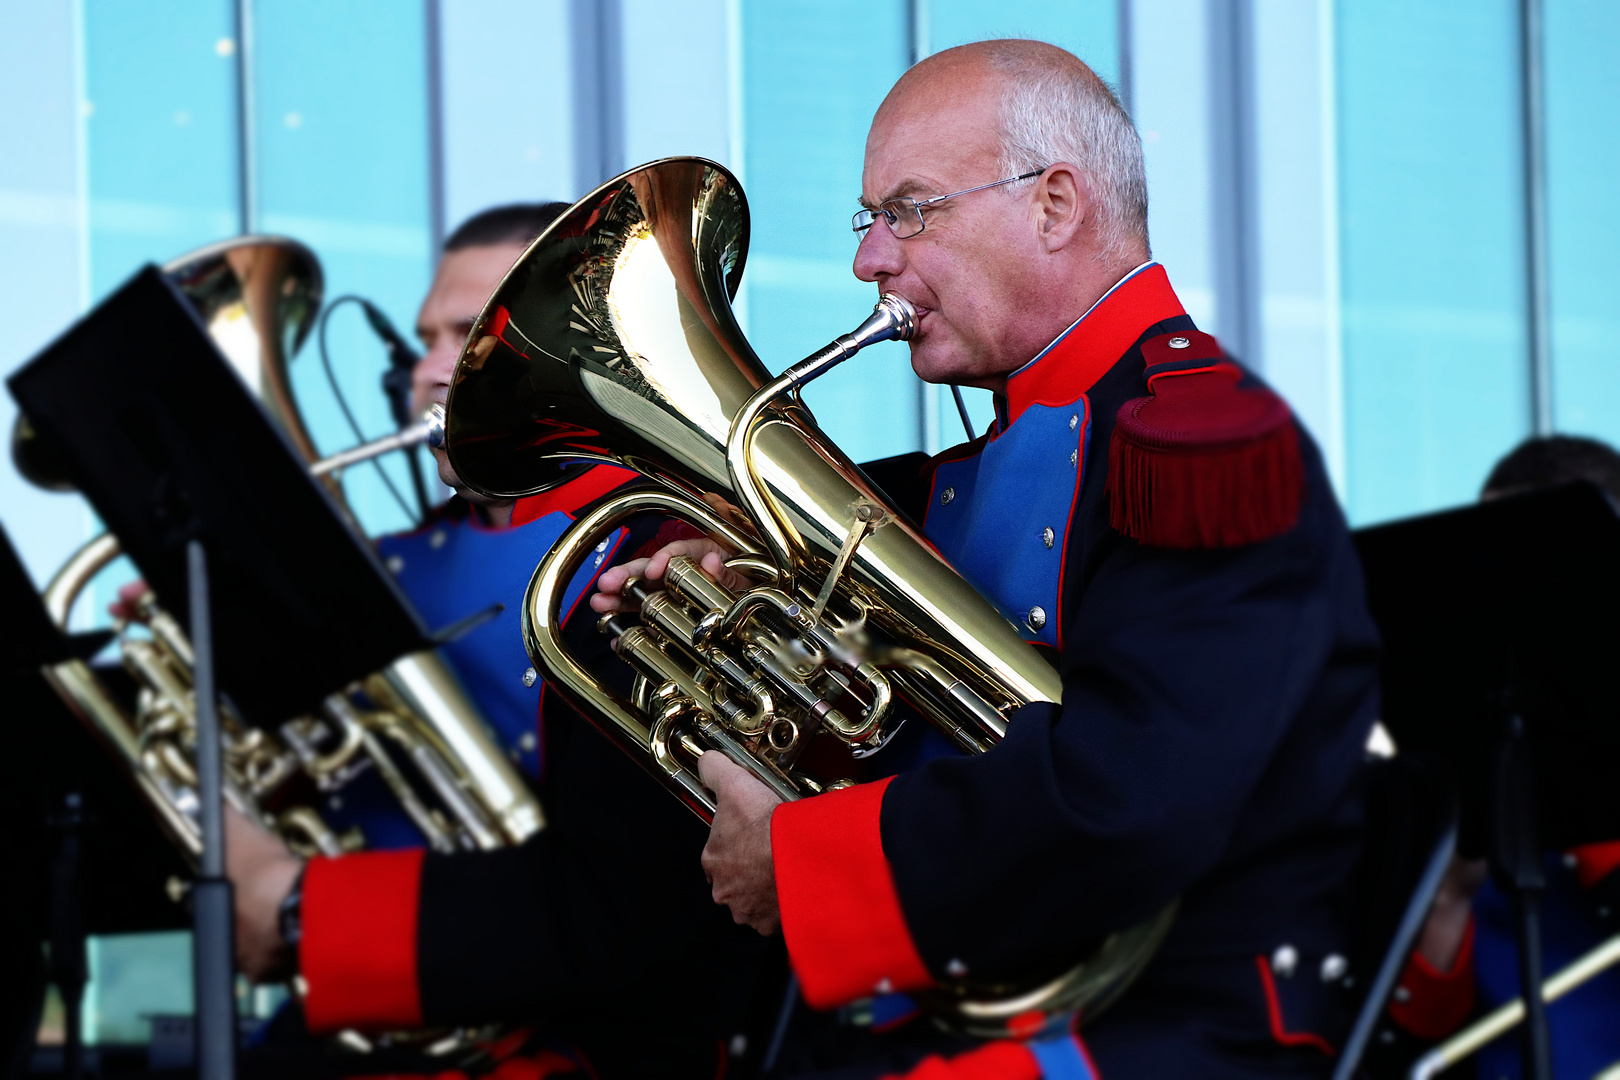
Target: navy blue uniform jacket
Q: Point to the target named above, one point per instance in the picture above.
(1215, 708)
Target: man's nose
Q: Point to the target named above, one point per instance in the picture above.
(432, 371)
(879, 254)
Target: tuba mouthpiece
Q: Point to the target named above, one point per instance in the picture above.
(900, 311)
(433, 417)
(893, 318)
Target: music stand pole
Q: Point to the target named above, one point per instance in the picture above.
(1516, 859)
(68, 967)
(211, 910)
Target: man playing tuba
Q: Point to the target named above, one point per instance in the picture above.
(1156, 518)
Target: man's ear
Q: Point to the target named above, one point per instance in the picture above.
(1063, 201)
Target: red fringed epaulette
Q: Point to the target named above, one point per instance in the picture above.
(1200, 463)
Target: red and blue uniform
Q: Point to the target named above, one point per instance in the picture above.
(599, 929)
(1219, 683)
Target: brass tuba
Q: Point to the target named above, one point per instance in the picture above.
(411, 722)
(612, 338)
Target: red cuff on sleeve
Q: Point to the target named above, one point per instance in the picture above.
(1435, 1003)
(1594, 862)
(993, 1061)
(846, 934)
(358, 953)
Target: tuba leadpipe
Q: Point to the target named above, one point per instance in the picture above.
(428, 430)
(612, 339)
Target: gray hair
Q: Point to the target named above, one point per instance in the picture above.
(1056, 109)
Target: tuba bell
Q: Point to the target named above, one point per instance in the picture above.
(411, 723)
(612, 339)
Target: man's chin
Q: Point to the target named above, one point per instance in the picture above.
(932, 364)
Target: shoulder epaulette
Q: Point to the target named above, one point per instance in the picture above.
(1201, 462)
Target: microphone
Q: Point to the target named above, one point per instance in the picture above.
(402, 360)
(396, 385)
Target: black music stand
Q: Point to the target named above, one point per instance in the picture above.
(28, 641)
(1501, 622)
(208, 499)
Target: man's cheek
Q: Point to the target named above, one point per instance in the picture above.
(447, 475)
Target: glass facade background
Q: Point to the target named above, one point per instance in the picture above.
(1583, 152)
(1387, 164)
(1432, 220)
(339, 152)
(801, 85)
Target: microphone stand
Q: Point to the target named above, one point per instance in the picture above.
(214, 973)
(396, 384)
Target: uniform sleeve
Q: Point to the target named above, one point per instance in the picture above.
(1597, 864)
(358, 953)
(1183, 673)
(1430, 1003)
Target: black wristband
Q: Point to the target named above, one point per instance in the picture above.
(290, 914)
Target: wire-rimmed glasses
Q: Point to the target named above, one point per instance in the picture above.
(905, 214)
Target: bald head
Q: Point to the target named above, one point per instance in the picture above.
(1030, 104)
(997, 273)
(991, 64)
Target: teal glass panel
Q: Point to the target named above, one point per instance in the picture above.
(506, 95)
(160, 155)
(160, 89)
(1436, 378)
(1087, 28)
(340, 134)
(813, 73)
(1583, 157)
(41, 264)
(134, 977)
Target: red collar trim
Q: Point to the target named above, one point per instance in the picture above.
(1084, 352)
(569, 497)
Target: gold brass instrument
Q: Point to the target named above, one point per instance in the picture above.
(411, 722)
(612, 338)
(1504, 1018)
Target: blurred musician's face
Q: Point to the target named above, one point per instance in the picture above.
(463, 283)
(995, 275)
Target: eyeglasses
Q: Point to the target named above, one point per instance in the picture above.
(905, 214)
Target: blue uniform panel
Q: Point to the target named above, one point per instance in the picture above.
(452, 569)
(1002, 516)
(1585, 1025)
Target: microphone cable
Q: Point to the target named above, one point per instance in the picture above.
(394, 347)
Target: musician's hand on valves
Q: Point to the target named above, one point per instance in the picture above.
(707, 553)
(737, 858)
(263, 871)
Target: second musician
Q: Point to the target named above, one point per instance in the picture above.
(599, 930)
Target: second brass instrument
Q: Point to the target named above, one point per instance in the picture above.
(412, 722)
(613, 339)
